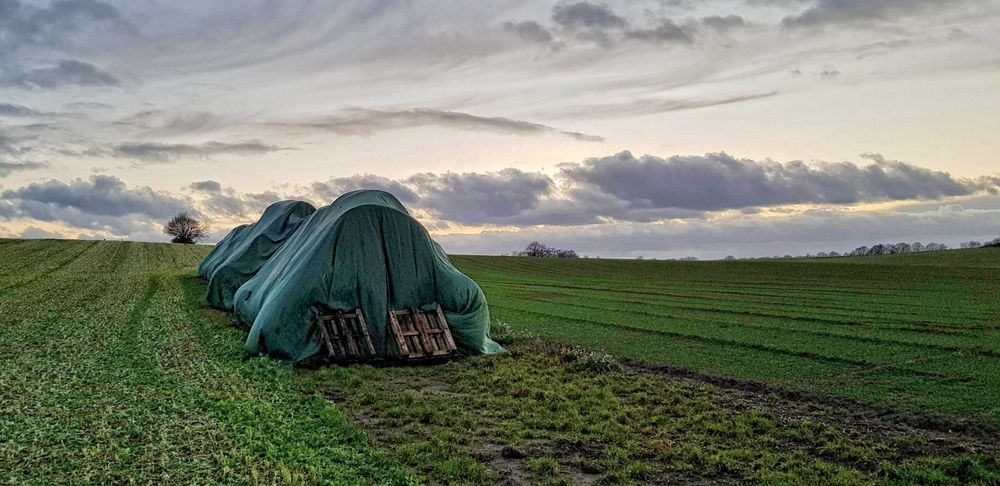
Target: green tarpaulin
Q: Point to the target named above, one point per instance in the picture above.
(219, 253)
(252, 247)
(363, 251)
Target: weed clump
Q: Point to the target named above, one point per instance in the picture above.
(580, 359)
(506, 335)
(595, 361)
(543, 466)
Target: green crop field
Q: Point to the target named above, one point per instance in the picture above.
(837, 371)
(917, 333)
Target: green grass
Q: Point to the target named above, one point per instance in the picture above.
(915, 333)
(540, 414)
(113, 371)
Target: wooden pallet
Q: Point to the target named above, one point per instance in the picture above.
(421, 334)
(345, 336)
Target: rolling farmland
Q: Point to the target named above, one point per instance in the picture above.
(847, 371)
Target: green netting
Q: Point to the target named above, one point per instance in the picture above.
(364, 250)
(219, 253)
(254, 246)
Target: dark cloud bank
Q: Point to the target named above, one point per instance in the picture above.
(604, 199)
(100, 203)
(623, 187)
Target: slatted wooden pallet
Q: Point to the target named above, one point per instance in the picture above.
(345, 336)
(421, 334)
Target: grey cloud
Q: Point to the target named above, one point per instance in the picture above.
(7, 109)
(719, 181)
(215, 201)
(88, 105)
(477, 198)
(100, 195)
(335, 186)
(187, 123)
(529, 30)
(598, 23)
(777, 3)
(624, 188)
(7, 146)
(678, 105)
(66, 73)
(586, 15)
(13, 157)
(508, 197)
(723, 23)
(206, 186)
(660, 106)
(863, 12)
(160, 123)
(257, 201)
(667, 31)
(361, 121)
(53, 26)
(154, 152)
(226, 204)
(101, 202)
(595, 194)
(583, 137)
(6, 168)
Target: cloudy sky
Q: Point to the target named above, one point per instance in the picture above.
(661, 128)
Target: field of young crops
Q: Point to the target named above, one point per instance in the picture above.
(114, 371)
(916, 333)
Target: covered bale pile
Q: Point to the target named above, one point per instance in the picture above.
(248, 250)
(220, 252)
(361, 278)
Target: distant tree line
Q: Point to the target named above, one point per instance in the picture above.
(895, 248)
(540, 250)
(877, 249)
(892, 248)
(994, 243)
(536, 249)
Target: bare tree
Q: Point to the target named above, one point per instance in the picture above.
(185, 229)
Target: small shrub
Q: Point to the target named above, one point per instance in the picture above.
(580, 359)
(596, 361)
(503, 333)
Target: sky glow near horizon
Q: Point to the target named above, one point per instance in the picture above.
(660, 128)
